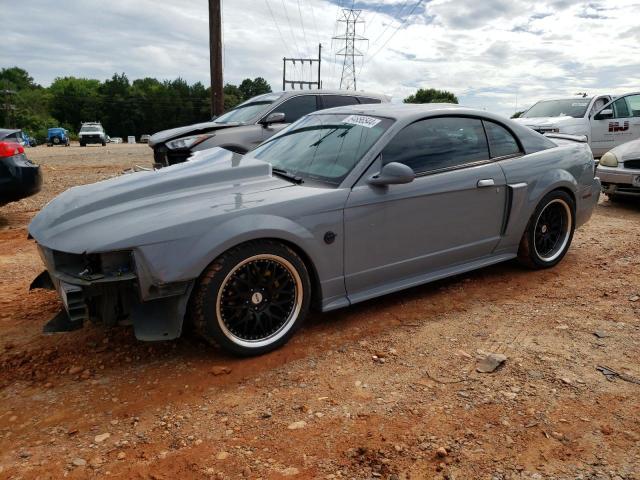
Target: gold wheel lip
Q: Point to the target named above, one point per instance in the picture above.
(293, 316)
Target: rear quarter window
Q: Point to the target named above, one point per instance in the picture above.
(369, 100)
(501, 142)
(331, 101)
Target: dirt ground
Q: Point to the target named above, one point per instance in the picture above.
(385, 389)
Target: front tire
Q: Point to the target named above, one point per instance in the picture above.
(549, 233)
(252, 298)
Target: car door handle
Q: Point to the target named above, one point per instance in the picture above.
(486, 182)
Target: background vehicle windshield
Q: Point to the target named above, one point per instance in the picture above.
(91, 128)
(323, 147)
(575, 108)
(247, 111)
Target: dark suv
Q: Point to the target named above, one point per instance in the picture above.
(250, 123)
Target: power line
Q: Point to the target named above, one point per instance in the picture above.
(304, 33)
(273, 17)
(315, 25)
(295, 41)
(416, 5)
(390, 23)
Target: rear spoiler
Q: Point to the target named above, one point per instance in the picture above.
(563, 136)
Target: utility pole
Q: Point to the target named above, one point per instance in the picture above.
(351, 18)
(302, 83)
(215, 57)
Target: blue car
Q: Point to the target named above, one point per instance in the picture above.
(57, 136)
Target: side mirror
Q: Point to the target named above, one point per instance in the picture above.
(604, 114)
(393, 173)
(273, 117)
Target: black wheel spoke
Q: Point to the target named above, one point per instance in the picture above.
(258, 299)
(551, 229)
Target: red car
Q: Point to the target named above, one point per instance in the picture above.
(19, 176)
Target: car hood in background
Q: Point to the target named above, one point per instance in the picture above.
(627, 151)
(163, 136)
(154, 206)
(546, 121)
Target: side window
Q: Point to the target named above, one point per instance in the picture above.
(633, 101)
(330, 101)
(297, 107)
(501, 142)
(438, 143)
(620, 108)
(598, 105)
(369, 100)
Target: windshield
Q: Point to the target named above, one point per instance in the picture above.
(324, 148)
(91, 128)
(575, 108)
(247, 111)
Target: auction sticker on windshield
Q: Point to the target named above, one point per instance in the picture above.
(362, 120)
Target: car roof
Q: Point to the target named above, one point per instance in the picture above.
(347, 93)
(7, 131)
(405, 111)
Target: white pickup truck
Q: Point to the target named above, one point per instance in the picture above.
(606, 121)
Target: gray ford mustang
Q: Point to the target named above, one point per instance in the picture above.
(342, 206)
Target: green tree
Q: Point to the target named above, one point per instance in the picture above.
(250, 88)
(75, 100)
(232, 96)
(16, 78)
(431, 95)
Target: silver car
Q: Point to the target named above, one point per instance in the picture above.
(249, 124)
(619, 170)
(344, 205)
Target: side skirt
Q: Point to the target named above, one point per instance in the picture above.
(427, 278)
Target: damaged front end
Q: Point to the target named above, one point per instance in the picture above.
(111, 289)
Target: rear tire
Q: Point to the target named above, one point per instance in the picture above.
(549, 232)
(56, 140)
(83, 144)
(252, 298)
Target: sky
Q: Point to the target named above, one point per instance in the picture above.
(498, 55)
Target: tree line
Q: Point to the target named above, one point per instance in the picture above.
(124, 107)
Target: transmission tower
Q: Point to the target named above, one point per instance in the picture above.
(351, 18)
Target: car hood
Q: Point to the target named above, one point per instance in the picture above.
(165, 135)
(150, 207)
(546, 121)
(627, 151)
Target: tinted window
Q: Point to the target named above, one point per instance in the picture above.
(297, 107)
(633, 102)
(12, 137)
(501, 142)
(620, 108)
(330, 101)
(438, 143)
(369, 100)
